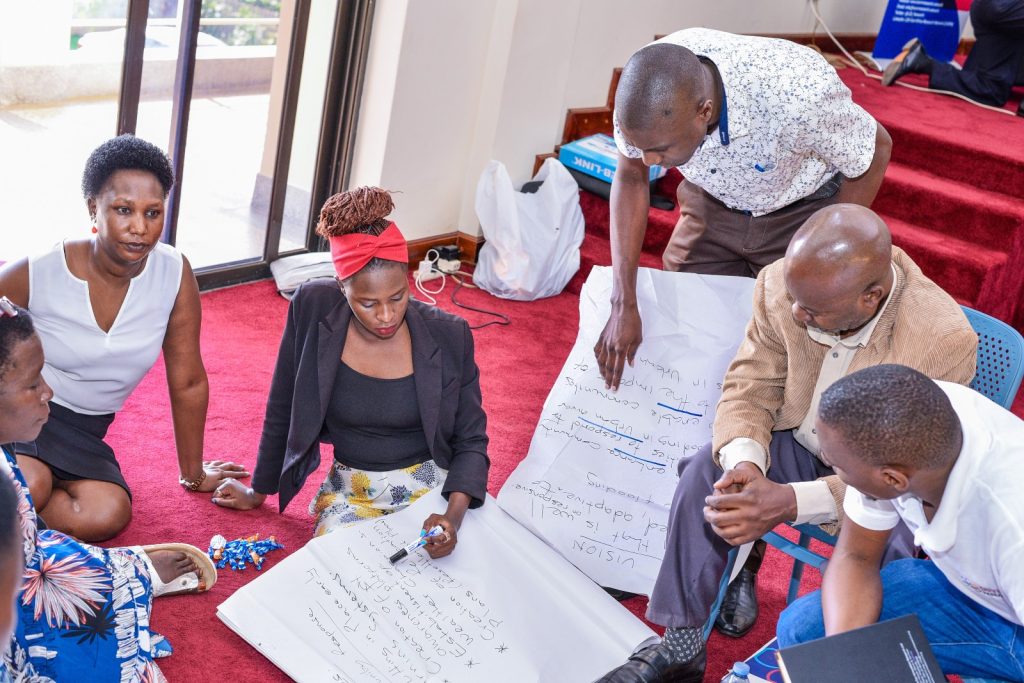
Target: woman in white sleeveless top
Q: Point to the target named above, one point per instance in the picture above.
(104, 308)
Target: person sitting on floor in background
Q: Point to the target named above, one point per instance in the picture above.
(842, 299)
(391, 383)
(992, 67)
(83, 612)
(12, 564)
(944, 460)
(105, 307)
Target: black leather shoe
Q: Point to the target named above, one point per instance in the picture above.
(911, 60)
(739, 606)
(654, 665)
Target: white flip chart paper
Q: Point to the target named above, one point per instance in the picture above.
(502, 607)
(599, 477)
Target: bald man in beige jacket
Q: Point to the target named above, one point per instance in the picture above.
(842, 299)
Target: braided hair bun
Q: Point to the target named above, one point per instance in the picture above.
(361, 210)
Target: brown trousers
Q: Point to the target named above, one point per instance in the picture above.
(737, 243)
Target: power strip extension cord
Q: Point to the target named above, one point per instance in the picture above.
(426, 271)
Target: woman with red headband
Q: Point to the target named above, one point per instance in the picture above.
(390, 383)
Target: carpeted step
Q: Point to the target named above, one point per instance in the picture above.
(597, 251)
(983, 218)
(659, 226)
(993, 170)
(951, 138)
(595, 214)
(962, 268)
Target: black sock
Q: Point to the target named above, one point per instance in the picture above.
(684, 644)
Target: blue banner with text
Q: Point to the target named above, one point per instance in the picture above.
(936, 23)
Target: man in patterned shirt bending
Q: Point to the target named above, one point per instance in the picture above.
(842, 299)
(765, 134)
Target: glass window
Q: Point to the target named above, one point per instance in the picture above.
(228, 171)
(59, 86)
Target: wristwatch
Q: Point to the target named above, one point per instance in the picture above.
(193, 484)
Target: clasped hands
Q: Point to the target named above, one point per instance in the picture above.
(745, 505)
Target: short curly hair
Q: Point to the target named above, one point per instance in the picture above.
(121, 153)
(893, 415)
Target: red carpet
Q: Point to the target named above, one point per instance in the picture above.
(953, 192)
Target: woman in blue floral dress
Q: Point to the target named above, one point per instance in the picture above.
(83, 611)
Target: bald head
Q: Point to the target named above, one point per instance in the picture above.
(844, 242)
(659, 83)
(839, 262)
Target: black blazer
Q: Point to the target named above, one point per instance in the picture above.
(447, 386)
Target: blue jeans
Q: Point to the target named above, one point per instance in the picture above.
(967, 638)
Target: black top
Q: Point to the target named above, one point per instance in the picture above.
(375, 423)
(447, 390)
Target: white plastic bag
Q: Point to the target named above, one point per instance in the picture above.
(532, 246)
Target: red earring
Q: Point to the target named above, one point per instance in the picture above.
(94, 230)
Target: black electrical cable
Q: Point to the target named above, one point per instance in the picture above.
(504, 319)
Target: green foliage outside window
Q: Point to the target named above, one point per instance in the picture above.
(232, 34)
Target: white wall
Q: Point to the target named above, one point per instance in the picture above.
(419, 111)
(453, 83)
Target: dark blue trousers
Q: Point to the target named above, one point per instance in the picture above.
(996, 59)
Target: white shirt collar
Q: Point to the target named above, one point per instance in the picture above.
(940, 534)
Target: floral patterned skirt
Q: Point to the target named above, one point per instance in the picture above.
(349, 495)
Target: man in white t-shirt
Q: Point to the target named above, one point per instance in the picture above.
(947, 461)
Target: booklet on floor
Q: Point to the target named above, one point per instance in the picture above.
(895, 651)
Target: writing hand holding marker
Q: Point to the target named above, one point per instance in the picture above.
(444, 543)
(425, 535)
